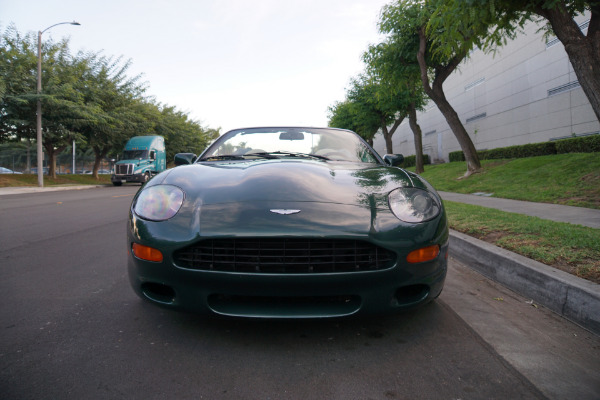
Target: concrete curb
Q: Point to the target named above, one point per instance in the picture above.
(573, 298)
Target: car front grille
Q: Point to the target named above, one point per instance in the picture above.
(124, 169)
(290, 255)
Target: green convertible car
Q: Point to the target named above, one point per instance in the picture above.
(288, 222)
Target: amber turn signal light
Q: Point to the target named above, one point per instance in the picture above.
(424, 254)
(146, 253)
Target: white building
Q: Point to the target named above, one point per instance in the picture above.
(526, 93)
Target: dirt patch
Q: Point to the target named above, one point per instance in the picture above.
(591, 201)
(493, 237)
(563, 265)
(591, 178)
(588, 194)
(586, 269)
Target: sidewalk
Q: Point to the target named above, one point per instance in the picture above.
(555, 212)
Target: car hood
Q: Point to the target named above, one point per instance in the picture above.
(287, 181)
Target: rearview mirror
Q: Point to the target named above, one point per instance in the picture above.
(393, 160)
(291, 136)
(184, 158)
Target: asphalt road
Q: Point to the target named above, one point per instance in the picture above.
(72, 328)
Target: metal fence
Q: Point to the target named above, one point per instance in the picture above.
(20, 158)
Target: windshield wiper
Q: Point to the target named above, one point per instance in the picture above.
(271, 155)
(222, 157)
(297, 154)
(261, 154)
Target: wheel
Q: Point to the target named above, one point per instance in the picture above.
(117, 183)
(146, 177)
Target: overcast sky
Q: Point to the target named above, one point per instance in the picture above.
(228, 63)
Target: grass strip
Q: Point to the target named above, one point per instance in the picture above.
(572, 248)
(570, 179)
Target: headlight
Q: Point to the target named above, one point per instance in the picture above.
(413, 205)
(159, 203)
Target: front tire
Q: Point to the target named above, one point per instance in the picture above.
(117, 183)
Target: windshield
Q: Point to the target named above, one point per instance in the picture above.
(135, 154)
(329, 144)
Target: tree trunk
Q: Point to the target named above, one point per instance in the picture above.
(387, 134)
(99, 154)
(51, 152)
(28, 170)
(436, 93)
(51, 162)
(583, 51)
(414, 126)
(465, 142)
(389, 148)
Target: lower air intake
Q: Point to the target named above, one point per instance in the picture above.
(290, 255)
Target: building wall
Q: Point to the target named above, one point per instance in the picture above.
(526, 93)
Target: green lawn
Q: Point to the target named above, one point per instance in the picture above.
(571, 248)
(572, 179)
(14, 180)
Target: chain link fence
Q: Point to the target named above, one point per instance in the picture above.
(22, 158)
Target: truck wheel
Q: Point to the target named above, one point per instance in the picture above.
(117, 183)
(146, 177)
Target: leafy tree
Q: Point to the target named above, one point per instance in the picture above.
(342, 115)
(18, 66)
(405, 23)
(60, 99)
(182, 134)
(112, 109)
(499, 20)
(87, 97)
(347, 115)
(62, 102)
(376, 104)
(400, 71)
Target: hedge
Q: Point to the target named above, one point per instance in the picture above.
(411, 161)
(585, 144)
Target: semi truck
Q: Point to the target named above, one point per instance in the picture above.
(143, 157)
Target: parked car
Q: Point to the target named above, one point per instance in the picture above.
(45, 170)
(8, 171)
(288, 223)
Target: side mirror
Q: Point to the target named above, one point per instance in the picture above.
(184, 158)
(393, 160)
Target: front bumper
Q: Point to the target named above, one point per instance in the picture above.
(288, 295)
(140, 178)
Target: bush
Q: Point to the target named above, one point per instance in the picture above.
(411, 161)
(586, 144)
(457, 156)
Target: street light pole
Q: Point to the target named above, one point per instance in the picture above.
(40, 161)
